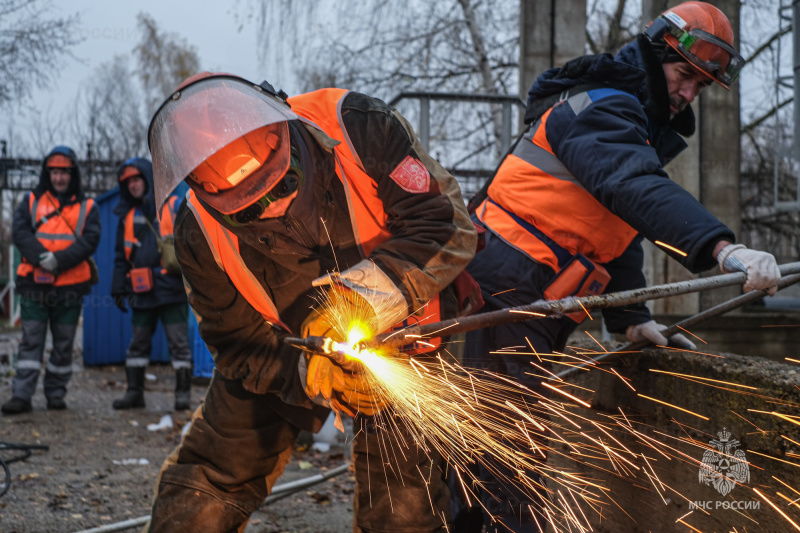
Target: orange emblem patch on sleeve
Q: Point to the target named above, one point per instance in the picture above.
(411, 175)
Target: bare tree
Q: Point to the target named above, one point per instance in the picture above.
(113, 112)
(610, 25)
(110, 113)
(766, 177)
(32, 44)
(163, 61)
(389, 47)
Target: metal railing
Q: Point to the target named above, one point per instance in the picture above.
(470, 179)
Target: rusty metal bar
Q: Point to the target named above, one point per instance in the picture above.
(693, 320)
(320, 345)
(559, 308)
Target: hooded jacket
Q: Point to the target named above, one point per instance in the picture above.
(615, 147)
(167, 288)
(24, 234)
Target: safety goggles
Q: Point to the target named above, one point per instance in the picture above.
(290, 183)
(706, 51)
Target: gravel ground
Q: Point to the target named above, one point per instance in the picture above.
(101, 464)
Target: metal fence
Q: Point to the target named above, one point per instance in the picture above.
(467, 133)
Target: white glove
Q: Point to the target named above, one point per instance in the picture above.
(48, 261)
(651, 331)
(761, 269)
(376, 288)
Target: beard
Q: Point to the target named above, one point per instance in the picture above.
(678, 103)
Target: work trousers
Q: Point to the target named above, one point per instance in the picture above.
(499, 494)
(63, 320)
(240, 442)
(174, 318)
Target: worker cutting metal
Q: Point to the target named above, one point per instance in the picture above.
(567, 210)
(284, 192)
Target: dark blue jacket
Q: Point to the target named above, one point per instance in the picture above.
(24, 235)
(616, 148)
(167, 288)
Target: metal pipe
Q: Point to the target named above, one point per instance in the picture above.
(505, 135)
(425, 122)
(118, 526)
(693, 320)
(278, 492)
(287, 489)
(559, 308)
(314, 344)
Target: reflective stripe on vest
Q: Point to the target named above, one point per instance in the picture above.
(167, 224)
(539, 196)
(225, 247)
(55, 233)
(134, 217)
(322, 110)
(53, 227)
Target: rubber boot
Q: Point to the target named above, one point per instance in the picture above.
(134, 396)
(183, 389)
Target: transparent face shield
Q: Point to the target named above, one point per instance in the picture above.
(288, 185)
(707, 52)
(201, 119)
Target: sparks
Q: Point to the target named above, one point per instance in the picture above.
(668, 247)
(474, 417)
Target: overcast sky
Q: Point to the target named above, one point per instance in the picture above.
(226, 41)
(109, 28)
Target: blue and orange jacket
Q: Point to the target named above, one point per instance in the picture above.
(136, 245)
(37, 227)
(588, 178)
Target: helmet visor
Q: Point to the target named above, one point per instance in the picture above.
(705, 51)
(202, 118)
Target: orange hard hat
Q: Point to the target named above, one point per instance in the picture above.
(227, 137)
(703, 36)
(243, 171)
(59, 161)
(129, 172)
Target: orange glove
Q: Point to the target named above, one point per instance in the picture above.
(327, 383)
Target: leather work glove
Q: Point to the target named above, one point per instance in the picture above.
(48, 261)
(331, 385)
(343, 388)
(375, 289)
(119, 301)
(761, 268)
(651, 331)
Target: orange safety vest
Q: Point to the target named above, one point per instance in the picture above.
(319, 109)
(537, 206)
(165, 226)
(55, 232)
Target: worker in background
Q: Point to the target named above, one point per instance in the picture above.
(568, 208)
(56, 229)
(151, 283)
(283, 194)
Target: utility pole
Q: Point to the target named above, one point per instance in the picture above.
(551, 33)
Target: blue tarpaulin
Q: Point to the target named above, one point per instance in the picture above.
(106, 330)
